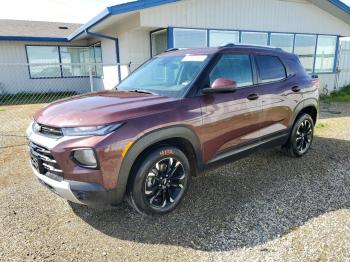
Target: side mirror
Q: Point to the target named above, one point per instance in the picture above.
(221, 85)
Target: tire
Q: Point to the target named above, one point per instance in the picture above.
(301, 136)
(160, 181)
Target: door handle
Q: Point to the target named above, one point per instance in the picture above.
(253, 97)
(296, 89)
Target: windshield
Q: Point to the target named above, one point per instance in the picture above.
(165, 75)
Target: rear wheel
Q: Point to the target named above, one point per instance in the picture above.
(301, 136)
(160, 181)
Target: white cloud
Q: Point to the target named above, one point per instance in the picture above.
(74, 11)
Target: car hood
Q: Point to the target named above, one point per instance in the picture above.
(100, 108)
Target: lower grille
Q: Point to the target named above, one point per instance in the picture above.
(43, 161)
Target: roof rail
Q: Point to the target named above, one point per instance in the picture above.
(227, 45)
(249, 45)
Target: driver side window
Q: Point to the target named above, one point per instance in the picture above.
(234, 67)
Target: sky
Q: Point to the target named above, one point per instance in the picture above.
(346, 2)
(73, 11)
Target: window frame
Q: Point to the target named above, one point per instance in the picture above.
(189, 29)
(336, 58)
(221, 30)
(265, 33)
(258, 71)
(60, 60)
(336, 53)
(150, 39)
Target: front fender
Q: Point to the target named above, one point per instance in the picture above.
(148, 140)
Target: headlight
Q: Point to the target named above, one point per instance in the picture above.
(85, 157)
(90, 130)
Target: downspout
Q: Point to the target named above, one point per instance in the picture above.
(116, 41)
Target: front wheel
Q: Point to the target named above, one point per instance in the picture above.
(301, 136)
(160, 181)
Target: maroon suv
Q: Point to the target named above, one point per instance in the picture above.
(178, 114)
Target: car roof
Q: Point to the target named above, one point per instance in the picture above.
(222, 49)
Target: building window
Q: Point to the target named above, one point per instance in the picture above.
(305, 48)
(64, 61)
(190, 38)
(97, 58)
(270, 68)
(254, 38)
(220, 37)
(159, 42)
(233, 67)
(325, 53)
(284, 41)
(75, 61)
(45, 55)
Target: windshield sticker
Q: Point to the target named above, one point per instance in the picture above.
(194, 58)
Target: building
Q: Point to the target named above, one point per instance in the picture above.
(133, 32)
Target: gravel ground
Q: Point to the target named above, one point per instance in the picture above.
(265, 207)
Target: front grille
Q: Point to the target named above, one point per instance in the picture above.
(48, 130)
(43, 161)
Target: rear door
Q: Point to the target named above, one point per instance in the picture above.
(277, 96)
(231, 120)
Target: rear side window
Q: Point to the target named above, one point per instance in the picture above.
(270, 68)
(234, 67)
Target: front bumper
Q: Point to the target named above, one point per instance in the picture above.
(90, 194)
(61, 188)
(68, 184)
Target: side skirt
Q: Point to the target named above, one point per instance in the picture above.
(236, 153)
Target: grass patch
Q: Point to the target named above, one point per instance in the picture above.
(33, 98)
(320, 125)
(343, 95)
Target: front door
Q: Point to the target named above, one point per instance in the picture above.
(231, 120)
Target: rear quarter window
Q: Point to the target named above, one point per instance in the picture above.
(270, 68)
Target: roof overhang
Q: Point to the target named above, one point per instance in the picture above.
(334, 7)
(117, 10)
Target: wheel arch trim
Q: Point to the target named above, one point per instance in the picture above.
(148, 140)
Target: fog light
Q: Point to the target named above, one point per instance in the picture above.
(85, 157)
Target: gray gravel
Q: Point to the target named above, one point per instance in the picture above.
(264, 207)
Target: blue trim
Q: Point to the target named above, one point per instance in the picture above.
(117, 10)
(294, 37)
(116, 42)
(170, 37)
(118, 59)
(254, 31)
(208, 38)
(33, 38)
(315, 55)
(340, 5)
(60, 59)
(337, 52)
(25, 48)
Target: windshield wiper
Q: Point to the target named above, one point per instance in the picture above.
(141, 91)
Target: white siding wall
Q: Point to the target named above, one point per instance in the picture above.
(267, 15)
(15, 79)
(343, 77)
